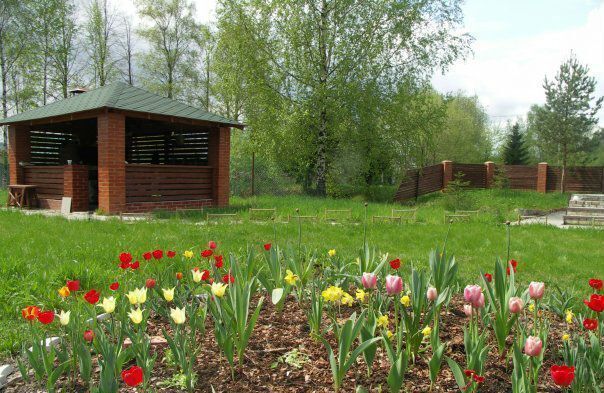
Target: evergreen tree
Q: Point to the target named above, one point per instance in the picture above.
(514, 152)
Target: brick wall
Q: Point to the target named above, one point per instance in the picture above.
(18, 151)
(219, 151)
(111, 164)
(75, 185)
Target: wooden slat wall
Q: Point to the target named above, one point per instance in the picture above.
(48, 179)
(473, 173)
(46, 146)
(578, 179)
(159, 183)
(520, 177)
(179, 147)
(430, 180)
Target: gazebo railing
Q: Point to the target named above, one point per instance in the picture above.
(48, 180)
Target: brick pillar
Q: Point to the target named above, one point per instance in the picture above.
(112, 168)
(447, 172)
(18, 151)
(75, 185)
(542, 177)
(219, 153)
(489, 167)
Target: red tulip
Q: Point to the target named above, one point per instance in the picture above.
(150, 283)
(596, 302)
(590, 324)
(228, 279)
(469, 373)
(218, 261)
(171, 254)
(125, 265)
(92, 296)
(205, 274)
(212, 245)
(267, 247)
(514, 265)
(125, 257)
(133, 376)
(88, 336)
(562, 375)
(206, 253)
(596, 284)
(477, 378)
(46, 317)
(135, 265)
(30, 312)
(395, 264)
(73, 285)
(158, 254)
(114, 286)
(147, 256)
(488, 277)
(179, 276)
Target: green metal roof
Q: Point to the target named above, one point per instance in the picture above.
(119, 96)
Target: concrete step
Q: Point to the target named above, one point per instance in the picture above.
(586, 200)
(586, 211)
(583, 220)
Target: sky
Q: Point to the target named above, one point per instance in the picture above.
(517, 43)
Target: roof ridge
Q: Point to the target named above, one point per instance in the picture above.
(117, 89)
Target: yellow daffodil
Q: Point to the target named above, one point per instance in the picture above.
(138, 296)
(178, 315)
(360, 295)
(347, 300)
(168, 294)
(406, 301)
(64, 292)
(108, 304)
(332, 294)
(64, 317)
(197, 275)
(382, 321)
(188, 254)
(426, 331)
(566, 337)
(531, 307)
(136, 315)
(218, 289)
(331, 252)
(569, 316)
(291, 278)
(389, 334)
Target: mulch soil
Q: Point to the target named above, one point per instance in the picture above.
(277, 333)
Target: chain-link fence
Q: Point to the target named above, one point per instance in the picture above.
(252, 175)
(3, 173)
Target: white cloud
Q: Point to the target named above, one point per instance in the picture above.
(507, 74)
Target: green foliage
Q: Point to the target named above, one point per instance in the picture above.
(456, 195)
(514, 152)
(587, 356)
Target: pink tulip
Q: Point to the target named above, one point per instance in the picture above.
(536, 290)
(533, 346)
(480, 302)
(467, 309)
(369, 280)
(394, 285)
(471, 293)
(516, 305)
(432, 294)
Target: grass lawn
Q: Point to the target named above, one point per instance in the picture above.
(38, 253)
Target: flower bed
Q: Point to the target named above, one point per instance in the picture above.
(293, 320)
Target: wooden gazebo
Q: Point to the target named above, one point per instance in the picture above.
(120, 149)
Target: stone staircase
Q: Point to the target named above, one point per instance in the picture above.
(585, 209)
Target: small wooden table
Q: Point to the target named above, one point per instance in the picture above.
(22, 195)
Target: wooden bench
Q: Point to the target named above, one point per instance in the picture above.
(408, 215)
(387, 218)
(262, 214)
(22, 196)
(337, 214)
(219, 216)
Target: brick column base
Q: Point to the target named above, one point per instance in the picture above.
(447, 172)
(75, 185)
(18, 151)
(219, 153)
(489, 167)
(542, 177)
(112, 168)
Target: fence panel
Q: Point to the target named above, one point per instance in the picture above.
(520, 177)
(416, 182)
(473, 173)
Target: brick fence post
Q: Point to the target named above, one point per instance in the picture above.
(447, 172)
(75, 185)
(219, 153)
(111, 163)
(489, 167)
(19, 150)
(542, 177)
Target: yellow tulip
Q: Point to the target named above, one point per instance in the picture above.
(360, 295)
(138, 296)
(64, 292)
(331, 252)
(218, 289)
(389, 334)
(197, 275)
(569, 316)
(332, 294)
(168, 294)
(108, 304)
(531, 307)
(347, 300)
(426, 331)
(566, 337)
(188, 254)
(382, 321)
(136, 316)
(291, 278)
(406, 301)
(178, 315)
(64, 317)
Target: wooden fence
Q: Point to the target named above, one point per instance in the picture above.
(48, 180)
(433, 178)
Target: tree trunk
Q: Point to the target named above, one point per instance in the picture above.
(4, 72)
(321, 155)
(563, 177)
(321, 168)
